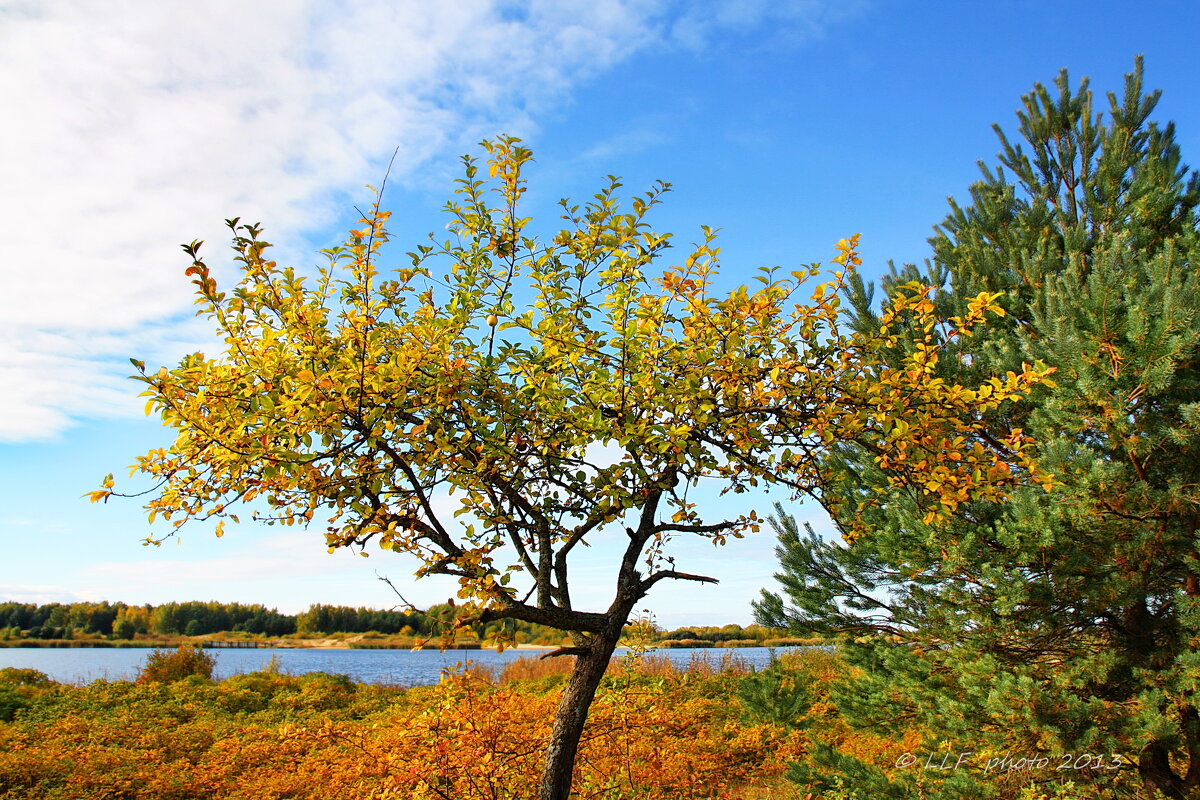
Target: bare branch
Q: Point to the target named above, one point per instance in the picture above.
(405, 602)
(645, 585)
(564, 651)
(715, 528)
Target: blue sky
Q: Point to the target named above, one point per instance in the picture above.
(788, 125)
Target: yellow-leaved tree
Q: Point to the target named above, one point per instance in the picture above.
(562, 390)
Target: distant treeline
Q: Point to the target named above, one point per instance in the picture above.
(122, 621)
(727, 635)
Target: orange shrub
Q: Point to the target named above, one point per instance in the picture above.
(167, 666)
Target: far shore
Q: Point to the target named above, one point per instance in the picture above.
(358, 641)
(285, 644)
(432, 644)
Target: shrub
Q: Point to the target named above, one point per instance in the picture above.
(24, 677)
(17, 688)
(168, 666)
(11, 701)
(317, 691)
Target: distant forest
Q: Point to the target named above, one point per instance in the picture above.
(122, 621)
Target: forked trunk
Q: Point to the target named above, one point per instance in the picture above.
(572, 714)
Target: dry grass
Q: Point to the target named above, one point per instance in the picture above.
(770, 789)
(704, 665)
(649, 664)
(533, 668)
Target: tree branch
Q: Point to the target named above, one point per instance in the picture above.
(564, 651)
(645, 585)
(562, 619)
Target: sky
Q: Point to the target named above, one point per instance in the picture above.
(133, 127)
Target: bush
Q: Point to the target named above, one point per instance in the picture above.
(168, 666)
(17, 689)
(317, 691)
(24, 677)
(11, 701)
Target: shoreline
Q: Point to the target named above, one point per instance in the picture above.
(334, 644)
(248, 644)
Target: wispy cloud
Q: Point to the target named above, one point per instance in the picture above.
(626, 143)
(279, 554)
(43, 594)
(717, 22)
(135, 126)
(290, 565)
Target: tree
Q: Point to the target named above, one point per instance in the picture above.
(125, 628)
(1060, 620)
(366, 399)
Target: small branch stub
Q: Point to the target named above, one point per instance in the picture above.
(564, 651)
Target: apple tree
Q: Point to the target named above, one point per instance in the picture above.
(560, 389)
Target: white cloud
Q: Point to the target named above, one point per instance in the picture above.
(135, 126)
(47, 377)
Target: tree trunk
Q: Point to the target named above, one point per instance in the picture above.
(1138, 631)
(1154, 767)
(1191, 738)
(571, 716)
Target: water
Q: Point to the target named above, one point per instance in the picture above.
(398, 667)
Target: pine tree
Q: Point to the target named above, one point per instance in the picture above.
(1065, 620)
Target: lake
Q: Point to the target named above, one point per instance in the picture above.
(398, 667)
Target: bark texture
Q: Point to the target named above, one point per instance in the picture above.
(572, 716)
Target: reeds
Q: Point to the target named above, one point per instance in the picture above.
(648, 664)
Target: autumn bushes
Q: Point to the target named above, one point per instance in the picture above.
(190, 738)
(655, 731)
